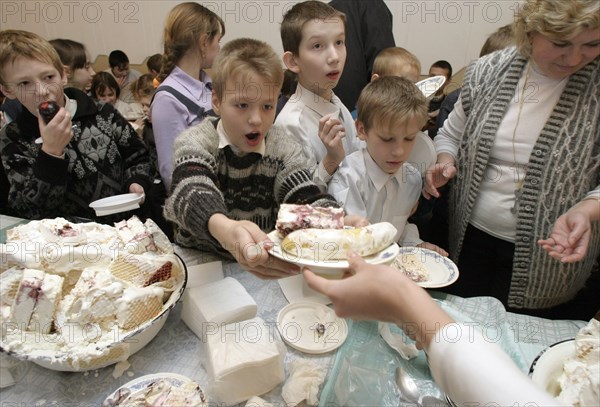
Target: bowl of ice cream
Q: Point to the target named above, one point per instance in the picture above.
(570, 370)
(77, 297)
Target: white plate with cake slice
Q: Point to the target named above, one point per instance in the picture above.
(330, 268)
(425, 267)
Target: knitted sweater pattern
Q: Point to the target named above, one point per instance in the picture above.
(563, 167)
(102, 159)
(243, 186)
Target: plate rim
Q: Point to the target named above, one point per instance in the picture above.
(545, 351)
(135, 198)
(334, 265)
(344, 330)
(444, 260)
(436, 79)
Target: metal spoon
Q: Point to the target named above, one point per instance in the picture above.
(408, 388)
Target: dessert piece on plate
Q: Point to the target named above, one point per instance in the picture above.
(294, 217)
(332, 244)
(141, 237)
(409, 264)
(580, 379)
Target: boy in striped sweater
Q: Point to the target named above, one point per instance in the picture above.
(231, 174)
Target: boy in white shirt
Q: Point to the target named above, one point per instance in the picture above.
(313, 35)
(377, 182)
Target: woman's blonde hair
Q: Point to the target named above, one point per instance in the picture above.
(390, 100)
(185, 24)
(17, 43)
(554, 19)
(246, 56)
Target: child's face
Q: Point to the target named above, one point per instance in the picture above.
(108, 95)
(120, 71)
(33, 82)
(321, 56)
(247, 110)
(145, 102)
(82, 77)
(391, 147)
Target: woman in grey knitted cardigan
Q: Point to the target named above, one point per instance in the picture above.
(524, 144)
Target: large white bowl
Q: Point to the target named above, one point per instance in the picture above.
(128, 343)
(548, 365)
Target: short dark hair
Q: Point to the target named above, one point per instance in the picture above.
(444, 65)
(103, 81)
(295, 19)
(154, 62)
(71, 53)
(117, 58)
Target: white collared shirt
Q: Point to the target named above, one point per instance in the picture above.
(300, 117)
(366, 190)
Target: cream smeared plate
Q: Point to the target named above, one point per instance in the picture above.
(311, 327)
(117, 204)
(138, 387)
(431, 85)
(442, 271)
(330, 268)
(547, 367)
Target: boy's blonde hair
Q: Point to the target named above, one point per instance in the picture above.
(143, 86)
(295, 19)
(394, 61)
(18, 43)
(502, 38)
(246, 56)
(554, 19)
(185, 24)
(389, 101)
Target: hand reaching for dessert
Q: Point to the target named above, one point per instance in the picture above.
(438, 175)
(249, 245)
(433, 247)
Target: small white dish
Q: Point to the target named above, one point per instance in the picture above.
(423, 154)
(547, 367)
(311, 328)
(139, 386)
(117, 204)
(431, 85)
(442, 271)
(330, 268)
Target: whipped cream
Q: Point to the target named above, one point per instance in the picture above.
(580, 379)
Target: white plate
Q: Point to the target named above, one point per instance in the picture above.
(141, 383)
(547, 367)
(423, 154)
(298, 324)
(442, 270)
(116, 204)
(431, 85)
(330, 268)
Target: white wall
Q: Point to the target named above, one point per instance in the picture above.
(432, 30)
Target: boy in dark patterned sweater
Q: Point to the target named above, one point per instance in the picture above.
(231, 174)
(87, 151)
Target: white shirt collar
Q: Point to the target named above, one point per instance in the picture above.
(70, 106)
(224, 140)
(316, 103)
(377, 176)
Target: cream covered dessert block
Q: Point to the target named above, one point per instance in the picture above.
(138, 305)
(140, 238)
(293, 217)
(244, 359)
(9, 285)
(27, 296)
(47, 302)
(409, 264)
(141, 271)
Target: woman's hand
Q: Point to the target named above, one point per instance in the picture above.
(248, 244)
(570, 235)
(438, 175)
(57, 134)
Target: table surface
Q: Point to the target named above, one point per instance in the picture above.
(176, 349)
